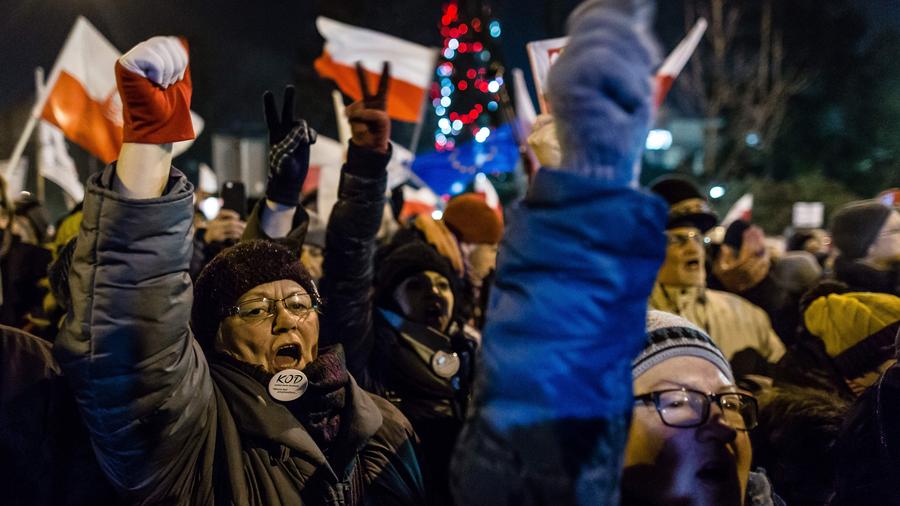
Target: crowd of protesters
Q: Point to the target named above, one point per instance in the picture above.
(591, 344)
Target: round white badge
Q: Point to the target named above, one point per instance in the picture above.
(288, 385)
(445, 364)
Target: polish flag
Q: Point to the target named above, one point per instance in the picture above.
(418, 201)
(676, 61)
(741, 210)
(412, 65)
(82, 99)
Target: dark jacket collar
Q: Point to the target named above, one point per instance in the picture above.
(260, 417)
(863, 278)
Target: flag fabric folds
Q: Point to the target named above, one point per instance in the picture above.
(447, 172)
(55, 164)
(82, 99)
(412, 65)
(677, 59)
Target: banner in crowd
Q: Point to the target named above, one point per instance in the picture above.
(326, 157)
(82, 99)
(808, 215)
(543, 53)
(54, 162)
(412, 65)
(447, 172)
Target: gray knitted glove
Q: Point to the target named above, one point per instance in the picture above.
(600, 88)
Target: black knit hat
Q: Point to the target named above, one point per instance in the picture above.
(687, 206)
(855, 226)
(234, 272)
(405, 260)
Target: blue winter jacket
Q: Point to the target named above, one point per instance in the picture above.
(565, 319)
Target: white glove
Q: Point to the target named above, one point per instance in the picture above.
(161, 59)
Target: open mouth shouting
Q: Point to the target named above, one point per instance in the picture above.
(287, 356)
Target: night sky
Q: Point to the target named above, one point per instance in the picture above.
(241, 48)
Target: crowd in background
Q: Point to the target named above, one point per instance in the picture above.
(594, 343)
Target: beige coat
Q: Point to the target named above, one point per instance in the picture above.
(732, 322)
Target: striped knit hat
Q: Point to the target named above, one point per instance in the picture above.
(669, 336)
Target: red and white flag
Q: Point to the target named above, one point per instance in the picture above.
(676, 61)
(741, 210)
(412, 65)
(82, 99)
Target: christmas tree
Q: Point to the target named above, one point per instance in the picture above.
(469, 135)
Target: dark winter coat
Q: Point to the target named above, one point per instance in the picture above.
(22, 268)
(867, 453)
(45, 452)
(862, 278)
(167, 426)
(384, 359)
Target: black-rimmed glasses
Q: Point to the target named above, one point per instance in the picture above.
(299, 304)
(684, 408)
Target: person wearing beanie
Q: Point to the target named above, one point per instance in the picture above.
(468, 234)
(733, 323)
(689, 440)
(222, 394)
(395, 312)
(866, 234)
(858, 331)
(399, 320)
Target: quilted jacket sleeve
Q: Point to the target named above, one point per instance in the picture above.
(140, 379)
(347, 285)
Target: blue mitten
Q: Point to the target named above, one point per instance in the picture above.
(600, 89)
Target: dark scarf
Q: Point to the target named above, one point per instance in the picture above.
(321, 408)
(862, 278)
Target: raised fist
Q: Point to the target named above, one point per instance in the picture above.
(370, 124)
(154, 82)
(600, 88)
(289, 141)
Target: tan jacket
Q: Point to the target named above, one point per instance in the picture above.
(732, 322)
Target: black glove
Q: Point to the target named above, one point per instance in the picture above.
(289, 141)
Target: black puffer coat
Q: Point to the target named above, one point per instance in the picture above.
(390, 356)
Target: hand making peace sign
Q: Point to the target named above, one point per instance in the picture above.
(370, 124)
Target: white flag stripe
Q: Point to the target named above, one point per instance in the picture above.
(55, 163)
(349, 44)
(679, 57)
(524, 108)
(86, 51)
(739, 209)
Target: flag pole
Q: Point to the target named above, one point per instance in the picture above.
(39, 105)
(39, 172)
(343, 125)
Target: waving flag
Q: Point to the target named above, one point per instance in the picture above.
(412, 65)
(676, 61)
(82, 99)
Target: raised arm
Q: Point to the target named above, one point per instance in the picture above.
(141, 381)
(575, 269)
(352, 227)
